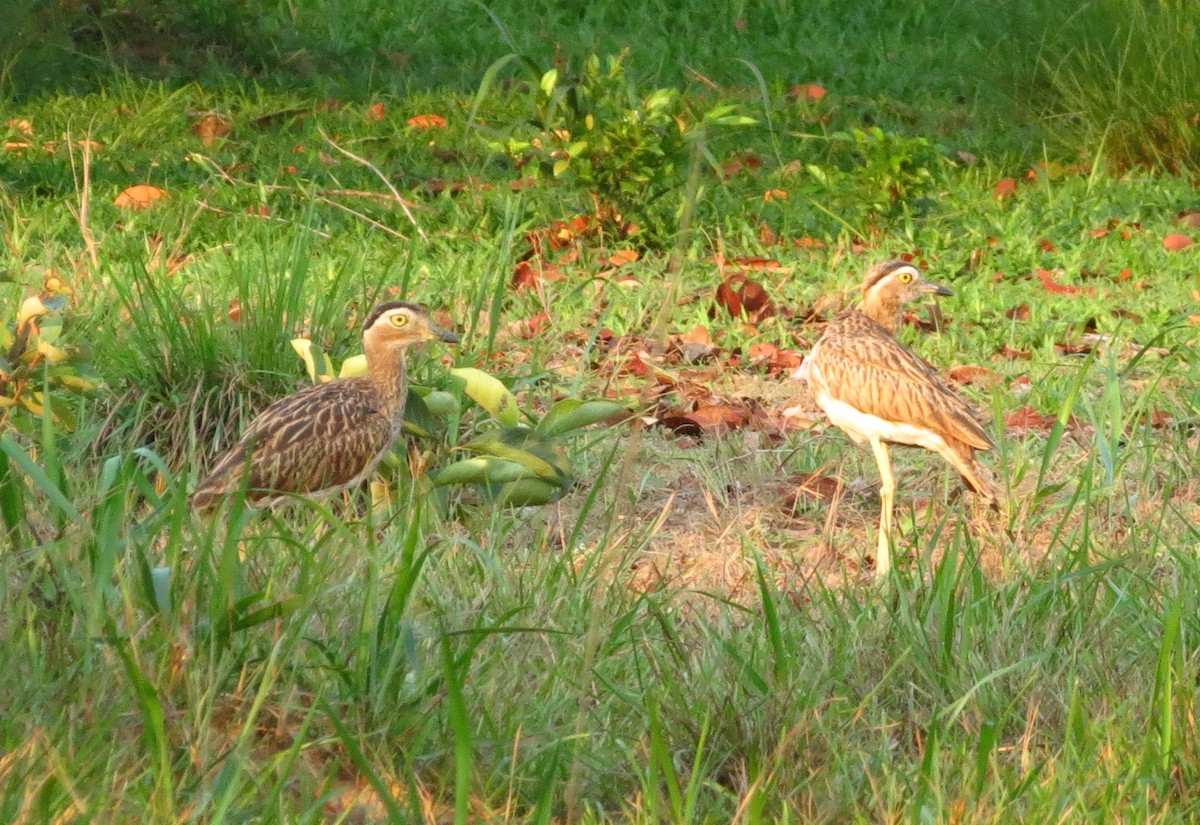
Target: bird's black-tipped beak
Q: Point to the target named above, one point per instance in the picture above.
(445, 334)
(935, 289)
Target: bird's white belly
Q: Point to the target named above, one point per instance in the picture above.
(862, 426)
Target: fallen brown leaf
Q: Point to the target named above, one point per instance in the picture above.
(1018, 313)
(1027, 418)
(974, 374)
(139, 196)
(210, 127)
(812, 486)
(1175, 242)
(427, 122)
(1006, 188)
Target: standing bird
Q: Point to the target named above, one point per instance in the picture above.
(327, 437)
(878, 390)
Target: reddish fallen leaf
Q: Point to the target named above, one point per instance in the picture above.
(1012, 354)
(235, 311)
(1194, 319)
(729, 298)
(756, 301)
(808, 91)
(1027, 418)
(935, 323)
(1188, 219)
(705, 419)
(1175, 242)
(812, 486)
(140, 196)
(1047, 245)
(210, 127)
(762, 351)
(536, 324)
(698, 334)
(966, 374)
(1080, 347)
(757, 264)
(696, 344)
(1018, 313)
(1050, 283)
(1158, 419)
(775, 195)
(375, 113)
(427, 122)
(767, 235)
(622, 257)
(260, 210)
(1098, 233)
(1006, 188)
(808, 243)
(523, 183)
(529, 273)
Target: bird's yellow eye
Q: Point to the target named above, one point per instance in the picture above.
(905, 276)
(399, 320)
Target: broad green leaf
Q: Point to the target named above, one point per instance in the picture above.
(319, 367)
(441, 404)
(573, 414)
(549, 81)
(490, 393)
(354, 366)
(529, 492)
(481, 469)
(417, 419)
(528, 448)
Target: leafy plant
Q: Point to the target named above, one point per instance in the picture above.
(37, 367)
(893, 169)
(599, 133)
(513, 464)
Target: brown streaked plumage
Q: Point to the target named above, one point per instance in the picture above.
(879, 391)
(327, 437)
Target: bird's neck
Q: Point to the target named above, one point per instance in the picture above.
(386, 370)
(883, 312)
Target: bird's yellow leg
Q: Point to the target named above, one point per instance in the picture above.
(887, 494)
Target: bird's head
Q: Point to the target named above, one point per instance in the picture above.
(399, 324)
(892, 284)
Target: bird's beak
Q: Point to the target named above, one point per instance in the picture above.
(930, 288)
(444, 334)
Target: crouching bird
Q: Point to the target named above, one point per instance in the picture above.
(328, 437)
(879, 391)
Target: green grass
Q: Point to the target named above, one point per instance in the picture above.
(681, 638)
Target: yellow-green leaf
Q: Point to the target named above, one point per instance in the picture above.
(53, 354)
(320, 368)
(31, 307)
(354, 366)
(490, 393)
